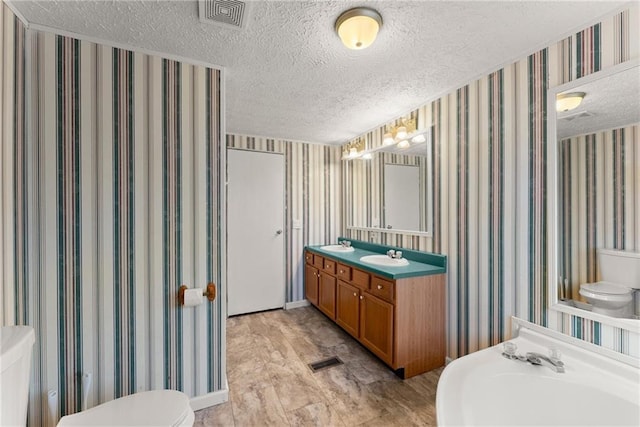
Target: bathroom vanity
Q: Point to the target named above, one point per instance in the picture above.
(397, 312)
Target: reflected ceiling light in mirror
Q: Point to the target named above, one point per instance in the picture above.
(569, 101)
(387, 139)
(367, 156)
(358, 27)
(418, 139)
(403, 144)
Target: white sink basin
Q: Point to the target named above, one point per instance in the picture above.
(384, 260)
(485, 388)
(337, 248)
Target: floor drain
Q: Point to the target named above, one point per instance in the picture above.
(324, 364)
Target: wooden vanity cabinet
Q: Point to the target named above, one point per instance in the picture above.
(311, 279)
(327, 294)
(401, 321)
(348, 308)
(376, 326)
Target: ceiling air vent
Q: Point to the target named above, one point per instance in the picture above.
(578, 115)
(230, 13)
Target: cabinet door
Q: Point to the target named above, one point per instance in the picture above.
(348, 307)
(327, 295)
(376, 326)
(311, 284)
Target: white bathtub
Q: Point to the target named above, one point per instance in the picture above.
(598, 387)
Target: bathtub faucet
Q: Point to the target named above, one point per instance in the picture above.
(539, 359)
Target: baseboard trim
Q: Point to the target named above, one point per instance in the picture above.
(296, 304)
(210, 399)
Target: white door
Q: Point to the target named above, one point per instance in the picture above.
(255, 237)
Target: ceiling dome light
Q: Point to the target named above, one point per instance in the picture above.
(358, 28)
(569, 101)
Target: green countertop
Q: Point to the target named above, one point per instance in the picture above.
(420, 263)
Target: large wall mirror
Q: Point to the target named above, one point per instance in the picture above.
(392, 190)
(594, 187)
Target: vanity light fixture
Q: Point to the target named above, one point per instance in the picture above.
(399, 133)
(358, 27)
(353, 149)
(356, 149)
(569, 101)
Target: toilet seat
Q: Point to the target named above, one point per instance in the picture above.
(149, 408)
(606, 291)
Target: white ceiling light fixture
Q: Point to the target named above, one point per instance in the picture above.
(569, 101)
(358, 27)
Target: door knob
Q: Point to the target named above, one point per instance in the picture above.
(279, 232)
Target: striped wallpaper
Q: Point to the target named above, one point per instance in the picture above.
(599, 201)
(116, 202)
(489, 191)
(312, 196)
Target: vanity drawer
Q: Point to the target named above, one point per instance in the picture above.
(308, 257)
(360, 278)
(318, 261)
(344, 272)
(329, 266)
(382, 289)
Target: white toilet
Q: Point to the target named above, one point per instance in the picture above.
(16, 345)
(148, 408)
(620, 275)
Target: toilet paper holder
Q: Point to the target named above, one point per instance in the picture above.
(209, 292)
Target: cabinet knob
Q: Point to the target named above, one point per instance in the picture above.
(360, 296)
(355, 294)
(327, 266)
(379, 287)
(341, 271)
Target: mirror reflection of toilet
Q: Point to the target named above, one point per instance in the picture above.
(620, 276)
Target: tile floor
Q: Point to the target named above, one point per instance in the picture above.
(271, 384)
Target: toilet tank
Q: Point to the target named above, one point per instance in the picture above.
(16, 344)
(621, 267)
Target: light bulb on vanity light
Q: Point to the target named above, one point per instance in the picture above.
(388, 139)
(367, 156)
(402, 133)
(403, 144)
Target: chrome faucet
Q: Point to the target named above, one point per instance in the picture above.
(394, 254)
(346, 243)
(537, 359)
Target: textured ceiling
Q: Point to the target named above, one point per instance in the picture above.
(287, 73)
